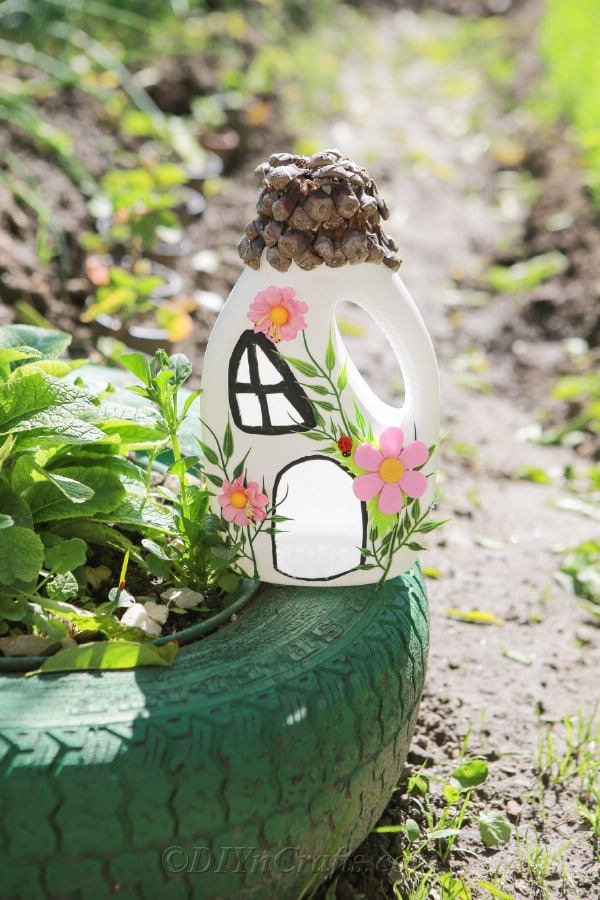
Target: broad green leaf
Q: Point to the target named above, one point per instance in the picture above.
(494, 828)
(59, 368)
(155, 548)
(21, 554)
(140, 510)
(471, 774)
(14, 609)
(15, 354)
(303, 367)
(54, 427)
(451, 793)
(48, 342)
(48, 503)
(6, 521)
(181, 466)
(63, 587)
(14, 506)
(138, 365)
(182, 368)
(75, 491)
(52, 406)
(109, 655)
(63, 556)
(94, 532)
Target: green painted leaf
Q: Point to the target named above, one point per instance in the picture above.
(109, 655)
(343, 377)
(360, 420)
(494, 829)
(228, 442)
(216, 480)
(330, 355)
(303, 367)
(209, 453)
(325, 404)
(21, 554)
(240, 466)
(320, 389)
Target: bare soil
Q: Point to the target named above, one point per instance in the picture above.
(453, 168)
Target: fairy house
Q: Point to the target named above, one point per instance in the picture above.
(313, 474)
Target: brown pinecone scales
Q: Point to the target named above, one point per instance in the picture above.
(317, 209)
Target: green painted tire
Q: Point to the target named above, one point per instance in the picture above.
(251, 768)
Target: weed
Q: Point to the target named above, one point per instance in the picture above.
(539, 865)
(572, 763)
(440, 808)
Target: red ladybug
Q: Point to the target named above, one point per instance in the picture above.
(345, 445)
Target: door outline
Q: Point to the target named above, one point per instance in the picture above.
(363, 513)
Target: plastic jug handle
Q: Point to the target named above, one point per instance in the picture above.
(384, 295)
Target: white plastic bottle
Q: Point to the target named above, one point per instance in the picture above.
(317, 479)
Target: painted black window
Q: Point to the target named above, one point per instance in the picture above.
(264, 395)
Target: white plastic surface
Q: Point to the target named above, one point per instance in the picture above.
(305, 478)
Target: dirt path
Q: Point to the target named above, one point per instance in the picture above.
(431, 136)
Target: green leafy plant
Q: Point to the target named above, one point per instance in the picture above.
(120, 291)
(197, 555)
(134, 204)
(125, 293)
(68, 486)
(440, 808)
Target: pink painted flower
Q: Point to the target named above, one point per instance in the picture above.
(390, 470)
(277, 314)
(242, 504)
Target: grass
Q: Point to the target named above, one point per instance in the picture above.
(571, 88)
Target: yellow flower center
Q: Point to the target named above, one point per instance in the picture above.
(279, 315)
(391, 470)
(238, 499)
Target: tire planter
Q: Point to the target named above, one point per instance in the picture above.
(251, 768)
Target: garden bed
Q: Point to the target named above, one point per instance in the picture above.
(513, 668)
